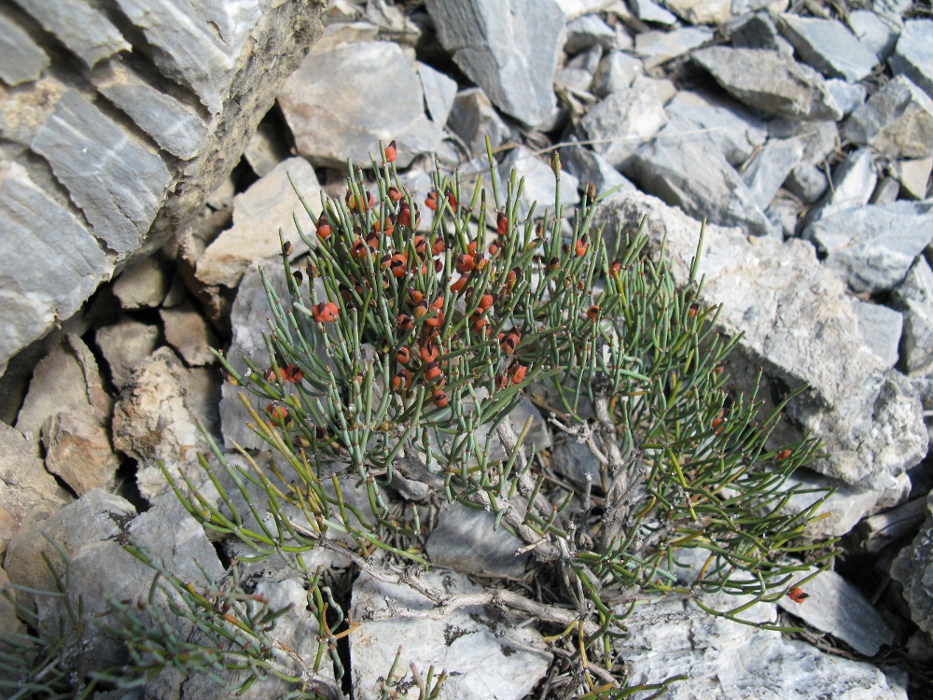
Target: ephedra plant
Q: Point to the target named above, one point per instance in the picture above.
(395, 360)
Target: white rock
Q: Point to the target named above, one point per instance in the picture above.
(880, 327)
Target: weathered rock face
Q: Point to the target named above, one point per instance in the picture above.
(913, 569)
(792, 313)
(93, 176)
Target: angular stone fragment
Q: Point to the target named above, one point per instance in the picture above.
(828, 46)
(875, 31)
(849, 97)
(439, 92)
(464, 540)
(258, 214)
(701, 11)
(915, 296)
(187, 331)
(38, 285)
(807, 182)
(794, 313)
(28, 493)
(727, 127)
(585, 32)
(20, 59)
(616, 72)
(896, 121)
(143, 285)
(77, 449)
(485, 656)
(657, 47)
(667, 168)
(914, 176)
(622, 122)
(767, 172)
(332, 123)
(589, 167)
(172, 125)
(124, 345)
(913, 54)
(510, 49)
(730, 661)
(838, 608)
(650, 11)
(539, 182)
(771, 82)
(473, 118)
(80, 26)
(872, 247)
(880, 328)
(757, 31)
(118, 183)
(913, 569)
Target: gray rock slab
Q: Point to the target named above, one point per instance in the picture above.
(871, 247)
(828, 46)
(464, 540)
(795, 314)
(838, 608)
(756, 31)
(657, 47)
(622, 122)
(849, 97)
(667, 169)
(731, 661)
(784, 213)
(914, 176)
(153, 421)
(28, 493)
(577, 8)
(880, 327)
(807, 182)
(886, 191)
(39, 289)
(875, 31)
(913, 569)
(89, 532)
(331, 124)
(80, 26)
(576, 462)
(770, 168)
(896, 121)
(117, 182)
(701, 11)
(728, 127)
(587, 31)
(771, 82)
(266, 149)
(174, 126)
(188, 332)
(913, 54)
(258, 214)
(616, 71)
(820, 138)
(846, 507)
(573, 79)
(439, 92)
(143, 285)
(513, 61)
(915, 297)
(21, 60)
(650, 11)
(540, 186)
(124, 345)
(473, 118)
(590, 167)
(484, 656)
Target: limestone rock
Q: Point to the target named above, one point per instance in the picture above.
(656, 47)
(258, 214)
(914, 176)
(913, 569)
(332, 124)
(34, 296)
(590, 167)
(510, 49)
(795, 316)
(77, 449)
(875, 31)
(21, 60)
(650, 11)
(622, 122)
(80, 26)
(912, 55)
(439, 92)
(849, 97)
(187, 331)
(915, 296)
(540, 186)
(701, 11)
(473, 118)
(124, 345)
(770, 81)
(770, 168)
(617, 70)
(464, 540)
(872, 246)
(143, 285)
(897, 121)
(828, 46)
(28, 493)
(880, 328)
(758, 31)
(731, 661)
(807, 182)
(484, 656)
